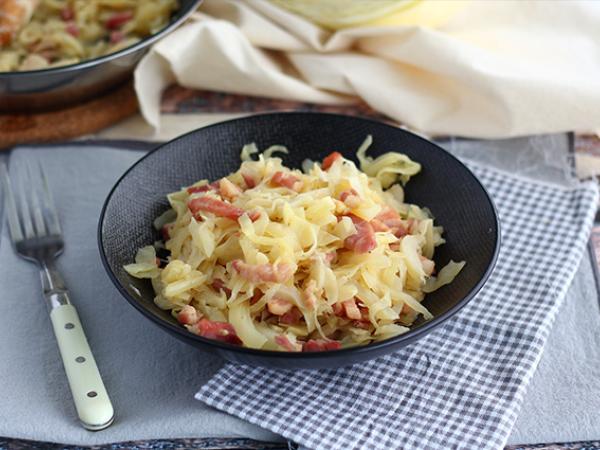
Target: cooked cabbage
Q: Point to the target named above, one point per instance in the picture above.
(281, 259)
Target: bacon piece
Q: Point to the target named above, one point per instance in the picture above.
(256, 296)
(283, 341)
(363, 240)
(217, 207)
(320, 345)
(287, 180)
(274, 273)
(67, 13)
(310, 298)
(204, 188)
(188, 315)
(292, 317)
(351, 309)
(390, 220)
(378, 225)
(354, 310)
(338, 310)
(350, 198)
(330, 159)
(165, 232)
(72, 29)
(279, 306)
(249, 180)
(117, 19)
(330, 257)
(395, 246)
(219, 285)
(116, 36)
(228, 190)
(221, 331)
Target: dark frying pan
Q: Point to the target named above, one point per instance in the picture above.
(49, 88)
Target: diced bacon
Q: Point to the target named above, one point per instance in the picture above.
(354, 310)
(378, 225)
(284, 342)
(219, 285)
(72, 29)
(256, 296)
(395, 246)
(351, 310)
(330, 159)
(338, 310)
(204, 188)
(310, 297)
(428, 265)
(118, 19)
(364, 311)
(350, 198)
(165, 232)
(292, 317)
(363, 240)
(274, 273)
(249, 180)
(390, 220)
(217, 207)
(67, 13)
(287, 180)
(279, 306)
(116, 36)
(188, 315)
(320, 345)
(228, 190)
(221, 331)
(330, 257)
(254, 215)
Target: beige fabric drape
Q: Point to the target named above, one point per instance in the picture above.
(496, 69)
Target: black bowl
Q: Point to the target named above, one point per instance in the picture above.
(454, 195)
(44, 89)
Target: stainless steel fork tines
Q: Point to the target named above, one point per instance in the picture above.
(36, 235)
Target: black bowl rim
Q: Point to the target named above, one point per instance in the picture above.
(88, 63)
(381, 345)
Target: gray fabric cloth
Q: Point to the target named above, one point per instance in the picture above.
(563, 399)
(151, 377)
(461, 386)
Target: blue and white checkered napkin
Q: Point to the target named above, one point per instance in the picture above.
(462, 385)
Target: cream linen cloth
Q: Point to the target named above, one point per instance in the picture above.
(496, 69)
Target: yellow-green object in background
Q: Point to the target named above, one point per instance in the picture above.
(338, 14)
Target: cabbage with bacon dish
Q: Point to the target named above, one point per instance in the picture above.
(327, 257)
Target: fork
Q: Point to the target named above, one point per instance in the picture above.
(36, 236)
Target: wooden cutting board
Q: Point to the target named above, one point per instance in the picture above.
(73, 121)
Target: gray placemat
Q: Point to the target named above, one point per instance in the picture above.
(152, 377)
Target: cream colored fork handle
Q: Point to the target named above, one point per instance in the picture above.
(93, 405)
